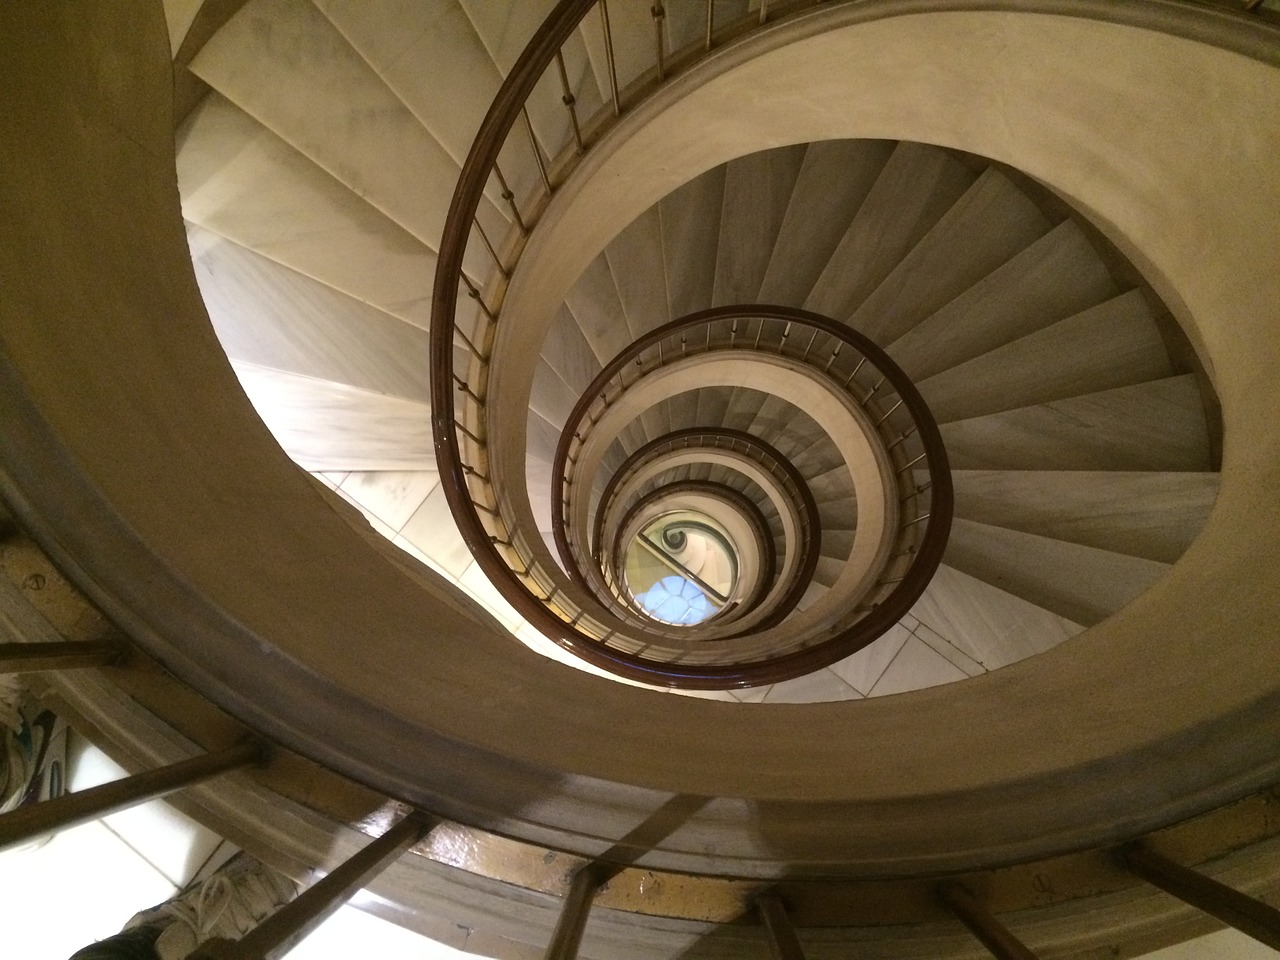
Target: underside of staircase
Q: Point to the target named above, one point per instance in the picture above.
(1088, 663)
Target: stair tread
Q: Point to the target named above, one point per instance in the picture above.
(636, 261)
(271, 316)
(240, 180)
(1157, 425)
(567, 351)
(990, 224)
(288, 66)
(1113, 344)
(1083, 584)
(916, 187)
(593, 301)
(834, 180)
(690, 235)
(327, 426)
(1151, 515)
(989, 625)
(1056, 276)
(756, 191)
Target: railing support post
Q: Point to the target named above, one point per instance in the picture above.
(782, 935)
(26, 823)
(1253, 917)
(567, 936)
(992, 934)
(60, 655)
(287, 927)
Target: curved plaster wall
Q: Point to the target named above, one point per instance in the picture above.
(129, 448)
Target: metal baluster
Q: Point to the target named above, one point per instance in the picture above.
(474, 294)
(890, 411)
(1252, 917)
(608, 53)
(711, 23)
(809, 347)
(510, 197)
(659, 13)
(764, 11)
(460, 426)
(488, 245)
(568, 99)
(849, 380)
(832, 359)
(467, 390)
(469, 345)
(537, 150)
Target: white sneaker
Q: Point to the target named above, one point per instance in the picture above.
(230, 903)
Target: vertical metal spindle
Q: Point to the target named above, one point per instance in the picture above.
(568, 99)
(457, 332)
(488, 245)
(805, 356)
(467, 389)
(711, 22)
(764, 11)
(608, 54)
(537, 150)
(510, 197)
(467, 432)
(474, 294)
(659, 14)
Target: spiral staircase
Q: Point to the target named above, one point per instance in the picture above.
(1084, 469)
(1072, 375)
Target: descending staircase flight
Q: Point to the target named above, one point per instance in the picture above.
(316, 177)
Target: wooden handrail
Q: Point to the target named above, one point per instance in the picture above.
(756, 449)
(508, 107)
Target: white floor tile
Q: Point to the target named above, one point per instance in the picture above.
(916, 666)
(863, 669)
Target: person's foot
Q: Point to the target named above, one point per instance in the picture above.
(230, 903)
(34, 758)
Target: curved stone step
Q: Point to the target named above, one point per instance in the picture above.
(240, 180)
(283, 62)
(1114, 344)
(1155, 516)
(635, 259)
(834, 180)
(332, 427)
(1083, 584)
(993, 222)
(270, 316)
(916, 187)
(596, 308)
(1157, 425)
(690, 217)
(757, 191)
(973, 623)
(1058, 275)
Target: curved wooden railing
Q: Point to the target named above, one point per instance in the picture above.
(849, 364)
(808, 545)
(765, 554)
(504, 553)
